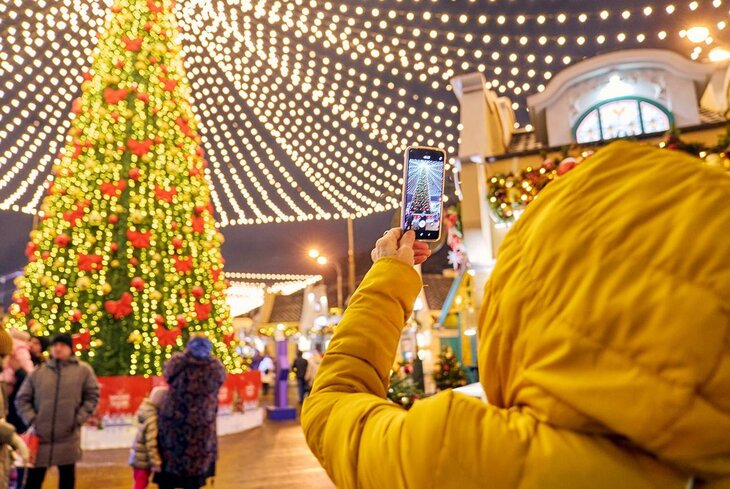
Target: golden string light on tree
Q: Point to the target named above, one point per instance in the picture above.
(126, 256)
(306, 105)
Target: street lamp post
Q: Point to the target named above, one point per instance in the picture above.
(322, 260)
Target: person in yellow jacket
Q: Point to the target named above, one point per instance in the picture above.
(604, 346)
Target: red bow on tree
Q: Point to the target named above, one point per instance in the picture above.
(183, 265)
(76, 106)
(23, 303)
(166, 195)
(154, 7)
(120, 308)
(81, 340)
(63, 240)
(139, 239)
(166, 337)
(198, 224)
(89, 263)
(184, 125)
(79, 147)
(114, 96)
(202, 311)
(133, 45)
(30, 249)
(73, 216)
(139, 148)
(229, 338)
(113, 189)
(168, 84)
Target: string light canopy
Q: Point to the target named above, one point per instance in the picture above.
(306, 105)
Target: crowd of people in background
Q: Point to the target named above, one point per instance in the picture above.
(49, 394)
(49, 399)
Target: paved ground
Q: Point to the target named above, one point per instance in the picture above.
(272, 457)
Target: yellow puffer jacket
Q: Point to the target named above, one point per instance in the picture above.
(604, 347)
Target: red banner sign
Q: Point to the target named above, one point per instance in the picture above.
(121, 396)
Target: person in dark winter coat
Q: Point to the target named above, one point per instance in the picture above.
(300, 370)
(55, 401)
(187, 419)
(145, 457)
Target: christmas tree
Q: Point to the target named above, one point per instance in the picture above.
(449, 373)
(127, 256)
(422, 197)
(403, 389)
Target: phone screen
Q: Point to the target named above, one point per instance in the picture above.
(423, 192)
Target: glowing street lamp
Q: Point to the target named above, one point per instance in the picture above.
(322, 261)
(698, 34)
(719, 54)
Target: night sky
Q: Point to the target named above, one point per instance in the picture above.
(364, 131)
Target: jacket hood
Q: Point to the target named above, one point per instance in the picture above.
(146, 410)
(608, 311)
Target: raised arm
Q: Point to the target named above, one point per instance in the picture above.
(449, 440)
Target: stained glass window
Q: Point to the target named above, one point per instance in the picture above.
(622, 118)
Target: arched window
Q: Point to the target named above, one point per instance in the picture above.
(620, 118)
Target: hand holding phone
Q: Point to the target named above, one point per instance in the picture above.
(423, 192)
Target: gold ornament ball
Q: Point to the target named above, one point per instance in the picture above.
(107, 288)
(157, 257)
(95, 218)
(93, 308)
(156, 295)
(119, 209)
(137, 217)
(135, 337)
(114, 264)
(83, 283)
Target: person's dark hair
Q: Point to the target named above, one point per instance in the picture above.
(299, 354)
(43, 340)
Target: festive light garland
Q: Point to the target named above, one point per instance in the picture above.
(509, 194)
(305, 105)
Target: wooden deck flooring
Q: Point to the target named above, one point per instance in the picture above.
(272, 457)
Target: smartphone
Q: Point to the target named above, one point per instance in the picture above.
(423, 192)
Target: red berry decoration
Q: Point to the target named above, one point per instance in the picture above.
(137, 283)
(63, 240)
(113, 247)
(198, 291)
(134, 173)
(177, 243)
(199, 209)
(61, 290)
(45, 255)
(113, 219)
(133, 261)
(76, 316)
